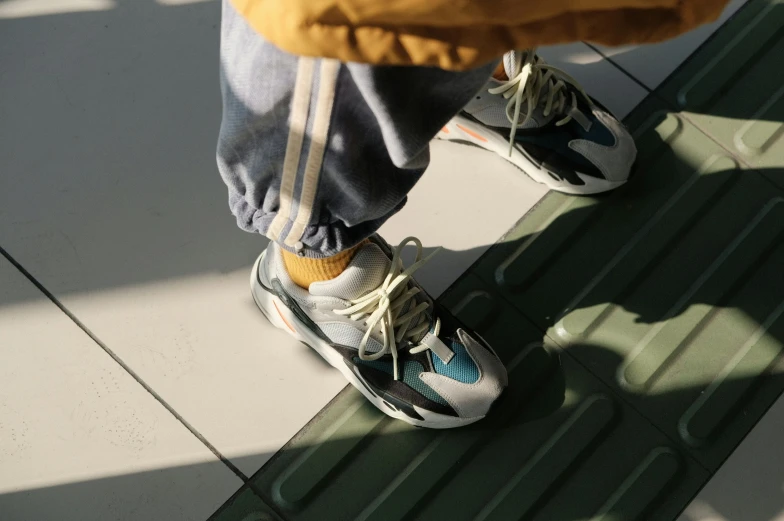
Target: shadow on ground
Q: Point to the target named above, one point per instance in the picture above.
(531, 406)
(499, 465)
(119, 123)
(109, 125)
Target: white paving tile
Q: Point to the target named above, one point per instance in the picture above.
(111, 198)
(466, 200)
(651, 64)
(114, 202)
(80, 439)
(749, 486)
(611, 87)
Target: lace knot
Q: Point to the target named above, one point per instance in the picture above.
(528, 81)
(394, 311)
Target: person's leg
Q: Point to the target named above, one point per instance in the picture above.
(563, 138)
(316, 156)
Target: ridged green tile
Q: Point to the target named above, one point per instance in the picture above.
(670, 290)
(244, 506)
(536, 456)
(732, 87)
(643, 330)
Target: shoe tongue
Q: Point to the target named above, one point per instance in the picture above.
(365, 272)
(513, 61)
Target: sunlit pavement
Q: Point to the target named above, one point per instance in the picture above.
(138, 381)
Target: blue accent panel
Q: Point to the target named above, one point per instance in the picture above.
(557, 142)
(557, 139)
(598, 133)
(461, 367)
(411, 371)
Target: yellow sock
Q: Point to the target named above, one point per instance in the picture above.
(304, 270)
(500, 72)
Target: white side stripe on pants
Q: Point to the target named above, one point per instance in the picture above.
(300, 104)
(328, 76)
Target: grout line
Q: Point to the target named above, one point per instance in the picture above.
(683, 62)
(563, 348)
(122, 364)
(260, 494)
(256, 491)
(226, 505)
(681, 111)
(705, 132)
(617, 66)
(742, 162)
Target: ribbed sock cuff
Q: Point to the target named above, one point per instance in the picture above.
(305, 270)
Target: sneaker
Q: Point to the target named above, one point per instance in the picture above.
(378, 327)
(545, 124)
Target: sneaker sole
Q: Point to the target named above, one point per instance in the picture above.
(463, 130)
(281, 317)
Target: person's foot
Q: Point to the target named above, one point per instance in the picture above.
(397, 346)
(559, 135)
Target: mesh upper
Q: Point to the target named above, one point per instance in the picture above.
(410, 371)
(461, 367)
(349, 336)
(490, 109)
(365, 273)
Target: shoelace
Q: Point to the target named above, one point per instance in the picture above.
(385, 306)
(530, 77)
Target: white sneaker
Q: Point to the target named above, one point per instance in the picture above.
(545, 124)
(378, 327)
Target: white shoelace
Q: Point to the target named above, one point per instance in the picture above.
(385, 304)
(531, 76)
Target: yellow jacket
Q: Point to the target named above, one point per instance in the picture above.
(461, 34)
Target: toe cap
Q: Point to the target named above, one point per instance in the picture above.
(614, 161)
(471, 400)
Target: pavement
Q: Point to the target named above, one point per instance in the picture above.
(643, 329)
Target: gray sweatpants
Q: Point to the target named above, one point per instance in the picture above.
(317, 154)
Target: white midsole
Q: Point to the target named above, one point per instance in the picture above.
(281, 317)
(500, 145)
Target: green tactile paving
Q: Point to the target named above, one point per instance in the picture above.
(536, 457)
(643, 330)
(732, 88)
(244, 506)
(671, 290)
